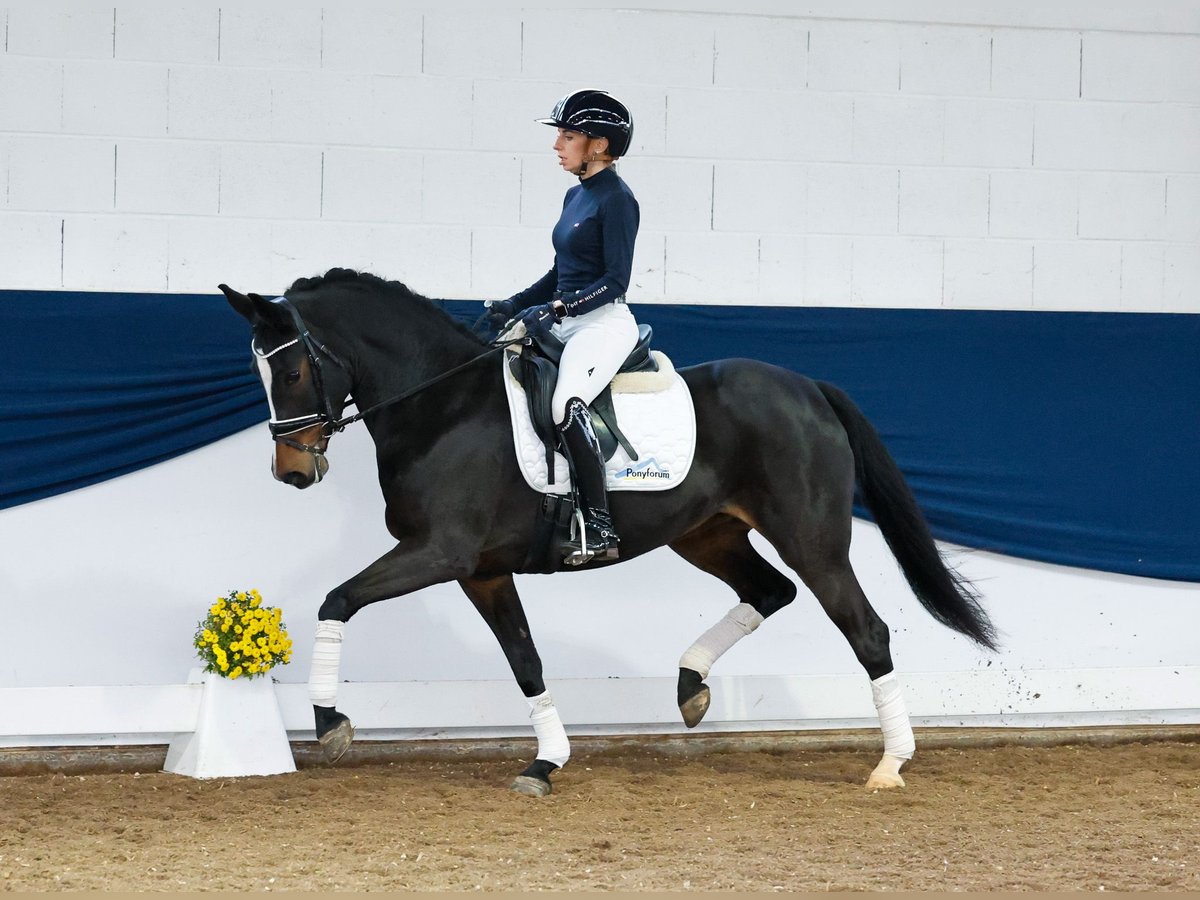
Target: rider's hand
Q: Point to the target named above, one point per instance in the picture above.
(539, 319)
(499, 312)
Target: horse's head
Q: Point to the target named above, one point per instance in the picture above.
(306, 383)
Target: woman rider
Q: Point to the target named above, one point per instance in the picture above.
(581, 300)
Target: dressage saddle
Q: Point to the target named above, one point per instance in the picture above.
(536, 369)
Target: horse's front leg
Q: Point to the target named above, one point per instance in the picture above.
(402, 570)
(500, 605)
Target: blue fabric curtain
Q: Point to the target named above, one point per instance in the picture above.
(97, 385)
(1068, 438)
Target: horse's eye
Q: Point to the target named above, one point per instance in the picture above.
(292, 377)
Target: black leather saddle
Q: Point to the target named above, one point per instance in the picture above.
(536, 369)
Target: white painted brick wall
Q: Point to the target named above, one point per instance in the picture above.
(905, 159)
(118, 98)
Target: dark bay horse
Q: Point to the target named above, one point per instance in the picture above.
(776, 452)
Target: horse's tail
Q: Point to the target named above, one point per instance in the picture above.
(947, 596)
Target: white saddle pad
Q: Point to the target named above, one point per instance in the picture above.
(655, 412)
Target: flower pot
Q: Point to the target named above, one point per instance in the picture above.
(239, 731)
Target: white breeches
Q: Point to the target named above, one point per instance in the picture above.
(597, 343)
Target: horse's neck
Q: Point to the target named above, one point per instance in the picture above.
(397, 346)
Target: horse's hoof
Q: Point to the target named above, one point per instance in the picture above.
(694, 708)
(336, 741)
(530, 786)
(884, 782)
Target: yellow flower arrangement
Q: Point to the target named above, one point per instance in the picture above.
(242, 638)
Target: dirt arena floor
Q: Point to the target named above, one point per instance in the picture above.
(1123, 817)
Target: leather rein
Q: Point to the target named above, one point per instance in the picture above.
(330, 423)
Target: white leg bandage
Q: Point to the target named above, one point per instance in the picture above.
(553, 745)
(326, 659)
(893, 717)
(710, 646)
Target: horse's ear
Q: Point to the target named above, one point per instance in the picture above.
(254, 308)
(241, 304)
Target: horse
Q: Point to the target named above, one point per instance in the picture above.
(776, 452)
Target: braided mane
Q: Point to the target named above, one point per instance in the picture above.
(337, 277)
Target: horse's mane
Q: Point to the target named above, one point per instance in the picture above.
(397, 289)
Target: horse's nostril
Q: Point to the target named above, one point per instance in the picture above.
(295, 479)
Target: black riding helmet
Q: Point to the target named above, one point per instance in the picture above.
(597, 114)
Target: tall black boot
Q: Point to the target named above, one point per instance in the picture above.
(582, 450)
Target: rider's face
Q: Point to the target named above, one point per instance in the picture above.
(572, 147)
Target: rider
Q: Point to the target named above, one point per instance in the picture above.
(581, 300)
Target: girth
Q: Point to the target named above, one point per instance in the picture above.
(536, 368)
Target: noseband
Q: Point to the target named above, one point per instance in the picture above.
(281, 428)
(330, 423)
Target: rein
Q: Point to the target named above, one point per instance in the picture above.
(329, 423)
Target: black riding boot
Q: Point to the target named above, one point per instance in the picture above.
(582, 450)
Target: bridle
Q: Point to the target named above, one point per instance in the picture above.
(325, 417)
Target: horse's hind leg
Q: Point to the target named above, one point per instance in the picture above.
(821, 558)
(721, 547)
(497, 601)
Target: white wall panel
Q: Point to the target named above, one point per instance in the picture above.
(1142, 275)
(1035, 63)
(853, 199)
(1077, 275)
(1121, 136)
(119, 98)
(60, 174)
(994, 134)
(270, 181)
(31, 94)
(372, 185)
(1034, 204)
(677, 195)
(262, 37)
(472, 188)
(209, 103)
(177, 177)
(897, 271)
(204, 252)
(941, 201)
(648, 281)
(762, 54)
(60, 32)
(174, 34)
(907, 130)
(320, 107)
(1116, 205)
(31, 250)
(828, 270)
(760, 197)
(945, 60)
(989, 274)
(421, 112)
(1183, 208)
(753, 125)
(854, 56)
(99, 252)
(486, 43)
(385, 40)
(713, 268)
(1146, 67)
(1181, 286)
(618, 46)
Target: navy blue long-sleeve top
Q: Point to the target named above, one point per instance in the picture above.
(593, 247)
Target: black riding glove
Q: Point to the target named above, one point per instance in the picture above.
(539, 319)
(499, 312)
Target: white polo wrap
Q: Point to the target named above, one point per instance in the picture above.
(553, 745)
(898, 738)
(710, 646)
(326, 660)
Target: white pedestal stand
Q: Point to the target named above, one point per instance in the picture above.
(239, 732)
